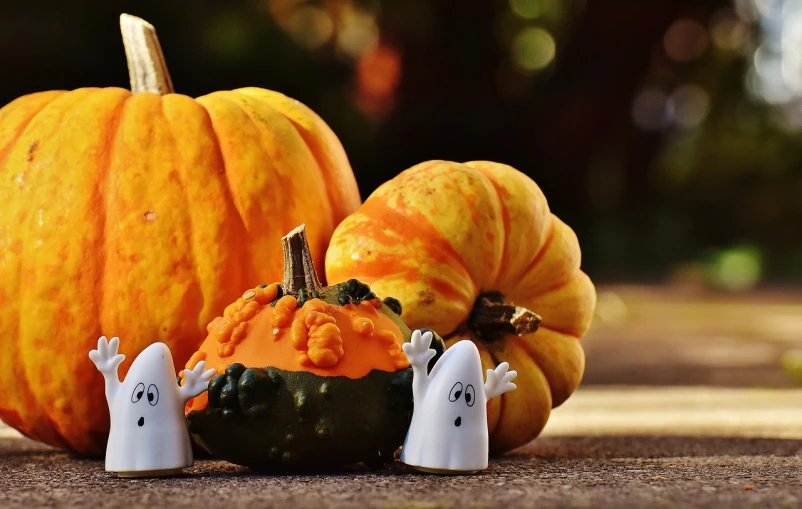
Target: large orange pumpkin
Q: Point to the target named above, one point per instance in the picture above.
(142, 214)
(472, 251)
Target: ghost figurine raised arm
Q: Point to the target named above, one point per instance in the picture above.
(448, 433)
(148, 435)
(108, 361)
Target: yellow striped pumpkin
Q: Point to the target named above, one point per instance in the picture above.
(462, 245)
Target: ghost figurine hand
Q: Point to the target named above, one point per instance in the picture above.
(107, 361)
(196, 380)
(106, 358)
(499, 381)
(417, 350)
(419, 354)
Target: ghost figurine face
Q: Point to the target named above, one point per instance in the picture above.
(148, 433)
(448, 433)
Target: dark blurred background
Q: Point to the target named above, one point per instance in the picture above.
(666, 132)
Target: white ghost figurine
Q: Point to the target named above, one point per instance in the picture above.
(148, 435)
(448, 433)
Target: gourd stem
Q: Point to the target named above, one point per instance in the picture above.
(299, 270)
(491, 316)
(146, 66)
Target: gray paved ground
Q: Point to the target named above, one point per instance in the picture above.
(615, 472)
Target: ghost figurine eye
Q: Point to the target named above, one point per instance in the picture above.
(153, 395)
(455, 393)
(139, 390)
(470, 395)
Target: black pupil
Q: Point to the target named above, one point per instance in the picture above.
(468, 397)
(139, 395)
(457, 394)
(150, 396)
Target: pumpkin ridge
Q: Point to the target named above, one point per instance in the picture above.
(421, 168)
(66, 430)
(324, 176)
(548, 239)
(552, 328)
(10, 415)
(229, 193)
(6, 151)
(520, 411)
(467, 187)
(104, 178)
(557, 399)
(191, 228)
(377, 208)
(328, 145)
(6, 108)
(229, 187)
(206, 165)
(340, 204)
(285, 222)
(556, 286)
(14, 347)
(328, 177)
(32, 367)
(65, 442)
(554, 304)
(505, 218)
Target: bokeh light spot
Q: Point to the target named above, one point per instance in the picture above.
(377, 76)
(611, 308)
(311, 26)
(747, 10)
(737, 269)
(689, 105)
(650, 109)
(728, 32)
(227, 37)
(685, 40)
(358, 32)
(379, 71)
(528, 9)
(533, 49)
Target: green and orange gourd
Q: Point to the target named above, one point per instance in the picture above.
(309, 377)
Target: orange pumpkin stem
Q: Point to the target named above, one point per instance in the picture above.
(491, 316)
(299, 270)
(146, 65)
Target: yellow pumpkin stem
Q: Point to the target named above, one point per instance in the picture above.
(492, 316)
(146, 65)
(299, 270)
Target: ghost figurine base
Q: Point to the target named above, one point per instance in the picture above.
(150, 473)
(442, 471)
(448, 434)
(148, 435)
